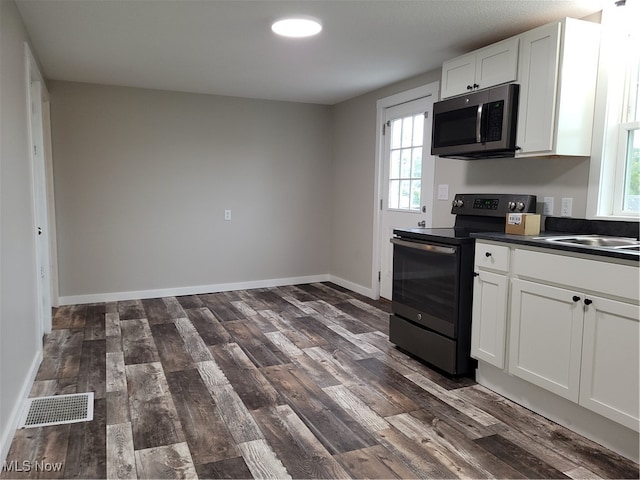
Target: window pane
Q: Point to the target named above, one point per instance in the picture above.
(396, 132)
(405, 193)
(407, 131)
(405, 163)
(394, 168)
(632, 173)
(416, 186)
(394, 193)
(416, 163)
(418, 130)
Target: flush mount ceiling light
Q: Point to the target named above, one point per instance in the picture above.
(297, 27)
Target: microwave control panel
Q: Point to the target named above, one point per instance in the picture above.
(494, 121)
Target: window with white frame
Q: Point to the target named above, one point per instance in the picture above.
(627, 184)
(618, 182)
(405, 166)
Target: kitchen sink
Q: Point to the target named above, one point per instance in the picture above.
(596, 241)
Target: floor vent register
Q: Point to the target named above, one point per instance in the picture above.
(57, 410)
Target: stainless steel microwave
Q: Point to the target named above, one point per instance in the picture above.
(478, 125)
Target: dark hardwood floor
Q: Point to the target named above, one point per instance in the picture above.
(296, 381)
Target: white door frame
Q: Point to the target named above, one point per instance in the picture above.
(41, 166)
(381, 105)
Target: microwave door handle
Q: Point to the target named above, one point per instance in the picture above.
(479, 124)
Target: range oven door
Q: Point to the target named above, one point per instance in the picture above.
(426, 284)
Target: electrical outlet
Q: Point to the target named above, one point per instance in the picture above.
(227, 214)
(443, 192)
(548, 206)
(565, 210)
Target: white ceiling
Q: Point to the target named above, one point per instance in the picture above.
(226, 47)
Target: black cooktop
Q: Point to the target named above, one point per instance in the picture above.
(475, 213)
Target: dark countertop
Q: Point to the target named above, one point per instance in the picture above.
(538, 241)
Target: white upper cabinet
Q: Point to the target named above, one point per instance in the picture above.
(487, 67)
(557, 74)
(556, 66)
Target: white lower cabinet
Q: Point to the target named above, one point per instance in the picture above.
(567, 324)
(489, 317)
(545, 342)
(490, 294)
(609, 381)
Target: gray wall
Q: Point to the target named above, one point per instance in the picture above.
(142, 179)
(19, 343)
(354, 182)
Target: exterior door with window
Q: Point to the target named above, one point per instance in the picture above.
(407, 180)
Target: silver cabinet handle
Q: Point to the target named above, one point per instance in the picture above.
(424, 246)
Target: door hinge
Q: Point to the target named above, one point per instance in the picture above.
(35, 150)
(384, 126)
(381, 204)
(379, 276)
(426, 114)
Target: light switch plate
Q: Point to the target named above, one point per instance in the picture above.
(443, 192)
(548, 206)
(227, 214)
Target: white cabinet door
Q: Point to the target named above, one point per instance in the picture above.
(538, 78)
(458, 74)
(497, 63)
(489, 319)
(487, 67)
(557, 73)
(545, 342)
(609, 383)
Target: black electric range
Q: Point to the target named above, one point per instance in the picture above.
(433, 280)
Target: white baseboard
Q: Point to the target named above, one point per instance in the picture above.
(214, 288)
(193, 290)
(354, 287)
(8, 429)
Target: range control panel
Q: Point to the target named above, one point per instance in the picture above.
(492, 205)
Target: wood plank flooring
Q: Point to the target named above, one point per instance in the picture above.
(289, 382)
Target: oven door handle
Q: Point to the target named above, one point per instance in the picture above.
(424, 246)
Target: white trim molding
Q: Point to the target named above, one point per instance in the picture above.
(354, 287)
(213, 288)
(8, 429)
(193, 290)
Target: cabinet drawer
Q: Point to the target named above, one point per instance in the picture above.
(492, 257)
(580, 273)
